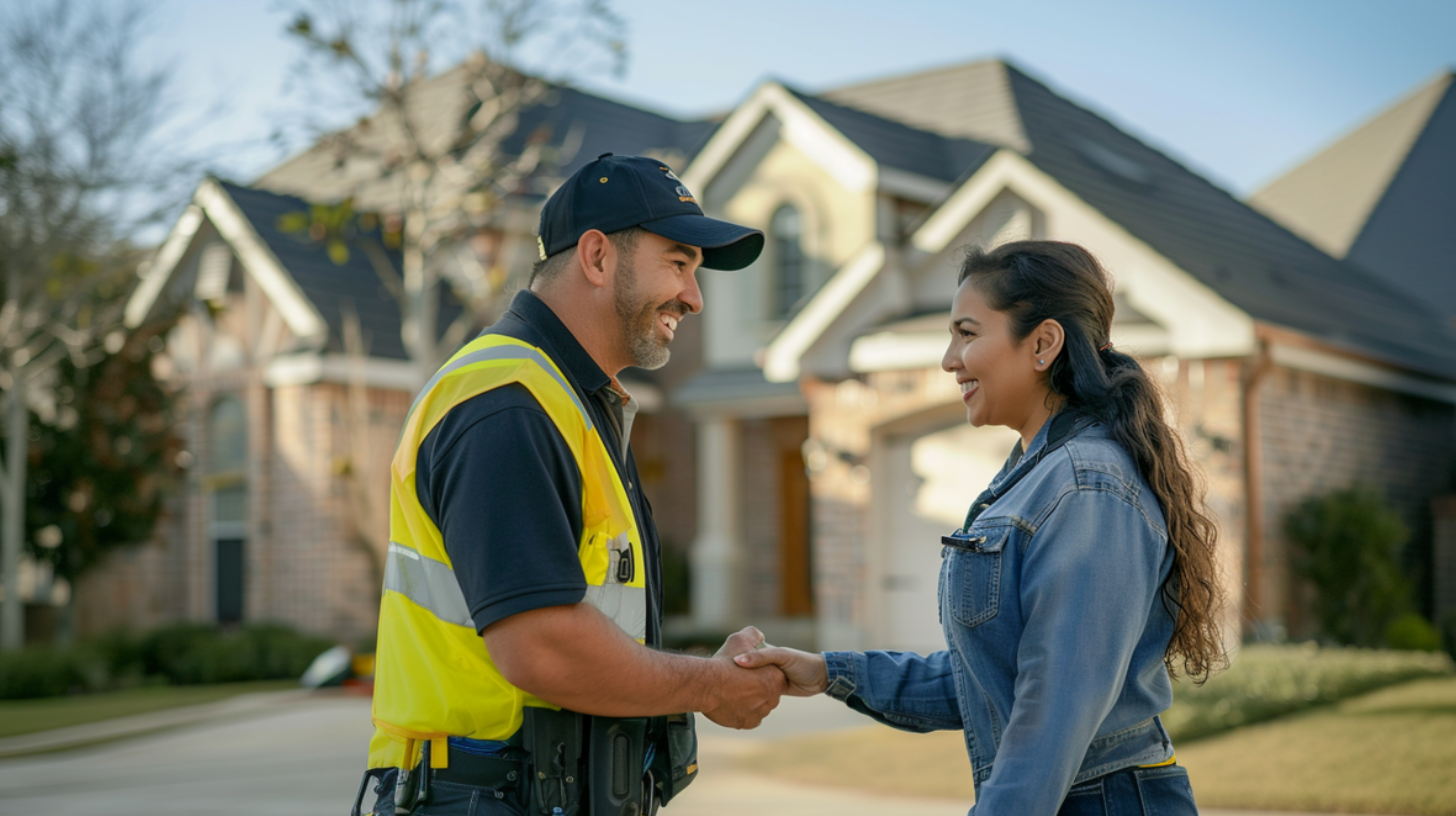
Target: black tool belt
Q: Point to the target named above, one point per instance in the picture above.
(561, 764)
(606, 766)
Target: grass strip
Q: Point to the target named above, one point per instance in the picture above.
(19, 717)
(1392, 751)
(1268, 681)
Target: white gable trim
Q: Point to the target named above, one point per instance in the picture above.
(302, 318)
(210, 200)
(781, 358)
(969, 201)
(156, 273)
(912, 185)
(850, 166)
(1199, 322)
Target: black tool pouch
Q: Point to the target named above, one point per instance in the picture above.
(554, 740)
(675, 764)
(616, 766)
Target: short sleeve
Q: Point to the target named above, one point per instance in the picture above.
(502, 486)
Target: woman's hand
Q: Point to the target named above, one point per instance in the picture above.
(806, 672)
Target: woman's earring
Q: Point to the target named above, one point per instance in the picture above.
(1041, 362)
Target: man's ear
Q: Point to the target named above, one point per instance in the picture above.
(1047, 340)
(597, 256)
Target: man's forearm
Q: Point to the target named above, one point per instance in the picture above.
(575, 657)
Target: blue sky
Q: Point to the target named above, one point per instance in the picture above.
(1238, 90)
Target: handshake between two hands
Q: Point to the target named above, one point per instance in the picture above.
(765, 673)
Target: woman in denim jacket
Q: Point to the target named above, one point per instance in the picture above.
(1084, 576)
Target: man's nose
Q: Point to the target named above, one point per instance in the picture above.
(692, 294)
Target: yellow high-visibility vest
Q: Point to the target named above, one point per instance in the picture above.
(433, 677)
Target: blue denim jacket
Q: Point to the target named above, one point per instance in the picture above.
(1057, 628)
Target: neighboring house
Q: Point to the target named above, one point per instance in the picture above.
(1290, 371)
(803, 443)
(286, 420)
(1384, 197)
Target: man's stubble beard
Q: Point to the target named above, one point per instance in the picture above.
(639, 323)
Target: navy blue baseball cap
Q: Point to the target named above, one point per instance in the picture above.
(614, 193)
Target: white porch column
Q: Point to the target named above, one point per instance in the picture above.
(717, 553)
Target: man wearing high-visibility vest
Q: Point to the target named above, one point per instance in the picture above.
(516, 670)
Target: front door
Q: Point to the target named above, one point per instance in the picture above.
(229, 580)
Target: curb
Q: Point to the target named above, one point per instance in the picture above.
(75, 736)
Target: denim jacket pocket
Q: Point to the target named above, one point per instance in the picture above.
(971, 575)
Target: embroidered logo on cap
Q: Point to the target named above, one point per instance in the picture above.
(682, 192)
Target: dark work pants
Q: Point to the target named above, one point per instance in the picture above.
(451, 799)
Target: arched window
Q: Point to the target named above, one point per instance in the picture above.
(227, 437)
(786, 231)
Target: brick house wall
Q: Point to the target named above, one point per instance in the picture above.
(303, 564)
(1321, 434)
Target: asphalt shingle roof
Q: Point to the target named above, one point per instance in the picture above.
(330, 287)
(1256, 264)
(1407, 238)
(606, 126)
(894, 144)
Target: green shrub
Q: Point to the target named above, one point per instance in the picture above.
(190, 653)
(119, 652)
(37, 672)
(1348, 546)
(1414, 633)
(1267, 681)
(178, 654)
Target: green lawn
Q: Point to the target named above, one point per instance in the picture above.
(28, 716)
(1391, 751)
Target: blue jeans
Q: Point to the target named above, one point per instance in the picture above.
(1133, 792)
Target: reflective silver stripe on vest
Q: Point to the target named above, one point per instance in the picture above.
(427, 582)
(625, 605)
(432, 585)
(506, 352)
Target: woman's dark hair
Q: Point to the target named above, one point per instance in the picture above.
(1034, 281)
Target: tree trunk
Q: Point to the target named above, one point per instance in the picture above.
(12, 528)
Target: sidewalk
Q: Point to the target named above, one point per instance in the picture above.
(139, 724)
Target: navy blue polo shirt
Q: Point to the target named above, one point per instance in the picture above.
(499, 481)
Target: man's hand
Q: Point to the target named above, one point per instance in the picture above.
(807, 673)
(744, 640)
(748, 695)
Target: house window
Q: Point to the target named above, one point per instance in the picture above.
(786, 231)
(228, 505)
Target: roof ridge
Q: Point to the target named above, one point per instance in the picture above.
(943, 68)
(944, 137)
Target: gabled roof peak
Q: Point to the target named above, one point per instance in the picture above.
(1329, 197)
(972, 100)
